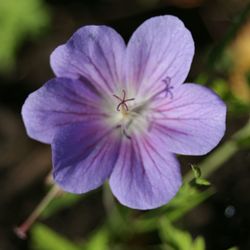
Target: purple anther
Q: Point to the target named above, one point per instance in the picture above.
(168, 87)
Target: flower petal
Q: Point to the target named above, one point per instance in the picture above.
(192, 122)
(94, 53)
(145, 175)
(59, 102)
(83, 156)
(161, 48)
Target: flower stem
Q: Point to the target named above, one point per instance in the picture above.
(22, 230)
(222, 153)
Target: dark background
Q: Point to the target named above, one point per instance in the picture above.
(223, 219)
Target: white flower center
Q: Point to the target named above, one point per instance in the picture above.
(129, 116)
(135, 116)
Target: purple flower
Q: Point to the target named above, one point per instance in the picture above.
(120, 113)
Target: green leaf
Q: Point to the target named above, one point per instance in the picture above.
(44, 238)
(98, 240)
(178, 239)
(197, 175)
(202, 182)
(196, 170)
(173, 237)
(19, 19)
(199, 243)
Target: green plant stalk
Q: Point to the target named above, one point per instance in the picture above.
(222, 153)
(215, 160)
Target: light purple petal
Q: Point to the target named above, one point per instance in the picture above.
(190, 122)
(94, 53)
(145, 176)
(83, 156)
(160, 48)
(58, 103)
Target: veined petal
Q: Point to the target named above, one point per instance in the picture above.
(159, 49)
(145, 175)
(59, 102)
(94, 53)
(192, 122)
(83, 156)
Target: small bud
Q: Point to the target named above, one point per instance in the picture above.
(198, 180)
(196, 171)
(20, 232)
(202, 182)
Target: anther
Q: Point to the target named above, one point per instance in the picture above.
(125, 133)
(168, 87)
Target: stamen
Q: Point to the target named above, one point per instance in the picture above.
(167, 89)
(123, 101)
(125, 133)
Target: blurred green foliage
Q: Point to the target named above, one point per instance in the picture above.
(121, 223)
(220, 85)
(19, 19)
(176, 239)
(98, 240)
(44, 238)
(217, 56)
(173, 238)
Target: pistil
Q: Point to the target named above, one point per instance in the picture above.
(122, 106)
